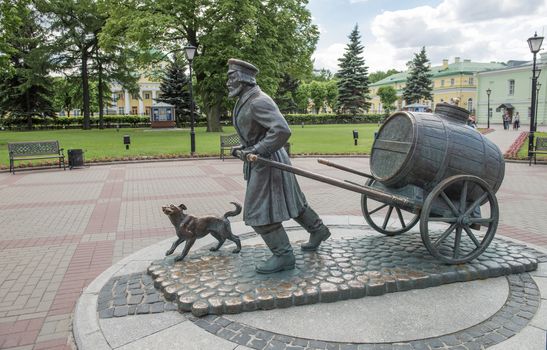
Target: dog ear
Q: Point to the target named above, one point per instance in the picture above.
(183, 207)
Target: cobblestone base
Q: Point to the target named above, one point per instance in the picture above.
(521, 305)
(221, 282)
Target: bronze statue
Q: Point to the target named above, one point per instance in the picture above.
(272, 195)
(190, 228)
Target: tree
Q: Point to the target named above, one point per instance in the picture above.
(25, 87)
(174, 90)
(379, 75)
(77, 26)
(353, 91)
(65, 94)
(318, 94)
(388, 96)
(276, 36)
(418, 83)
(302, 97)
(286, 94)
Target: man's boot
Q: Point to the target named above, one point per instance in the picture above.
(310, 221)
(277, 240)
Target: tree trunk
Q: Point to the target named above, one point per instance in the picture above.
(29, 112)
(85, 90)
(101, 99)
(213, 117)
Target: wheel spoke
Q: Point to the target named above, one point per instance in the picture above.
(444, 235)
(482, 221)
(401, 219)
(386, 220)
(450, 204)
(443, 219)
(476, 203)
(377, 209)
(457, 241)
(472, 236)
(463, 197)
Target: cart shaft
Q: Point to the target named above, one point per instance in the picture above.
(341, 167)
(381, 196)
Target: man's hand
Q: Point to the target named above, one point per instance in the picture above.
(245, 152)
(235, 149)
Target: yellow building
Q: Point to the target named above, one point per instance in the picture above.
(453, 83)
(136, 104)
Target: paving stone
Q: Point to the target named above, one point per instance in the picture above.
(107, 313)
(121, 311)
(143, 309)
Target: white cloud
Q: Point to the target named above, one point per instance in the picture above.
(328, 58)
(484, 31)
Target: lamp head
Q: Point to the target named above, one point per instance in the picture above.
(535, 43)
(190, 51)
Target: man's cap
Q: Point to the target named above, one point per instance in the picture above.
(242, 66)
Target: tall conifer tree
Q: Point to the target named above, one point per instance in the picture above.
(353, 91)
(418, 83)
(25, 88)
(174, 90)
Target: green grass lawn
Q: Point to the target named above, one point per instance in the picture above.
(107, 144)
(523, 152)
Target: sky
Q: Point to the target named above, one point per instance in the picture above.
(393, 30)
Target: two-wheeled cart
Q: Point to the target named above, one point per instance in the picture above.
(431, 168)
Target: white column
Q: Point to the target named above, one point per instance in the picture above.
(153, 96)
(141, 103)
(127, 102)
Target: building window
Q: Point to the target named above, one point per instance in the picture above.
(134, 110)
(135, 96)
(511, 87)
(470, 105)
(121, 110)
(147, 110)
(471, 81)
(146, 95)
(452, 82)
(121, 96)
(442, 82)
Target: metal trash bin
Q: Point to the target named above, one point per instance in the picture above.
(75, 158)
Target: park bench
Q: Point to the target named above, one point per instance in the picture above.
(227, 142)
(19, 151)
(539, 148)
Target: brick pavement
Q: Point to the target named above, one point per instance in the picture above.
(60, 229)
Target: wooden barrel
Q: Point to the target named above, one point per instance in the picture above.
(422, 149)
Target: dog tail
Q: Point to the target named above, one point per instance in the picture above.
(233, 212)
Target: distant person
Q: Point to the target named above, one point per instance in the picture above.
(516, 122)
(472, 121)
(506, 120)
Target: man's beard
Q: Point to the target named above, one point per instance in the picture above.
(235, 91)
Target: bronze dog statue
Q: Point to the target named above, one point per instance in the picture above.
(189, 228)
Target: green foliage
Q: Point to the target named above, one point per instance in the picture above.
(76, 26)
(285, 97)
(379, 75)
(331, 118)
(276, 36)
(25, 88)
(418, 83)
(353, 90)
(388, 96)
(174, 89)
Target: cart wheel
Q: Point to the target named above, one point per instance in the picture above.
(456, 218)
(403, 220)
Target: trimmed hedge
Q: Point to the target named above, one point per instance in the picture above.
(111, 121)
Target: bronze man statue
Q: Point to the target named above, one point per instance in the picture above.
(272, 195)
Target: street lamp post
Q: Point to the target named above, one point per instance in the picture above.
(538, 86)
(190, 52)
(535, 45)
(488, 92)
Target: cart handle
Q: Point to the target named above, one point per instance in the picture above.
(344, 168)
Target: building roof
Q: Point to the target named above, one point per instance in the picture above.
(461, 67)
